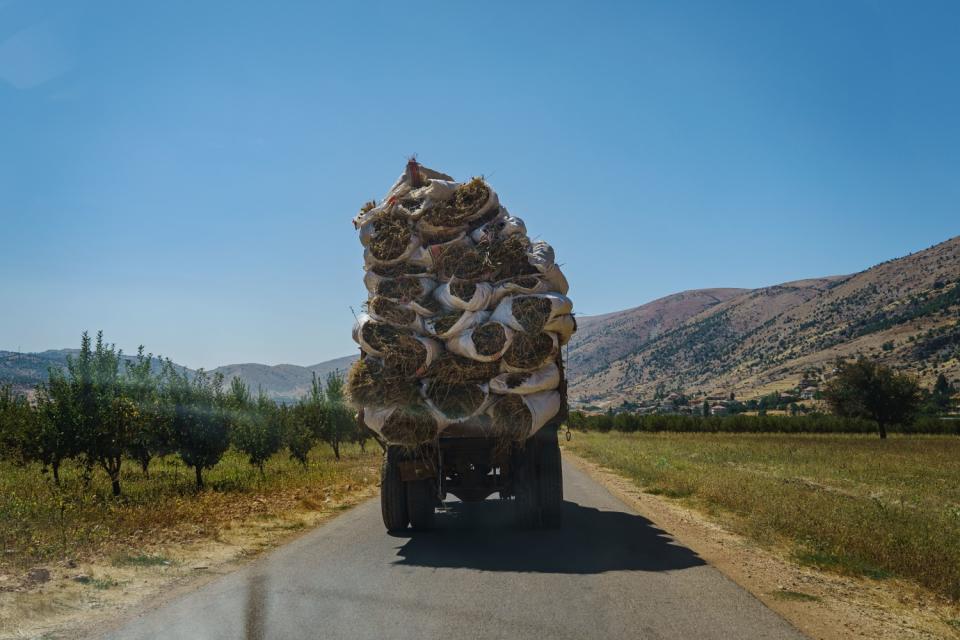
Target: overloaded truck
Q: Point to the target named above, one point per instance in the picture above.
(461, 372)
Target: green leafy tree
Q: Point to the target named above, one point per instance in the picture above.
(52, 438)
(941, 398)
(106, 418)
(297, 436)
(253, 428)
(150, 434)
(868, 389)
(17, 418)
(339, 420)
(198, 422)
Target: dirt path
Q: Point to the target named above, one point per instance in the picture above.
(822, 605)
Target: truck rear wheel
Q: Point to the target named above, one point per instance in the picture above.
(421, 502)
(525, 494)
(551, 481)
(393, 495)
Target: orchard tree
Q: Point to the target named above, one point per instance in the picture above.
(339, 423)
(297, 435)
(941, 398)
(151, 430)
(17, 418)
(868, 389)
(107, 419)
(253, 429)
(198, 423)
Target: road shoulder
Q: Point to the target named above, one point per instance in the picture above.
(84, 599)
(821, 605)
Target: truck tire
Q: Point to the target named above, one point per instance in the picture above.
(525, 493)
(551, 481)
(421, 502)
(393, 495)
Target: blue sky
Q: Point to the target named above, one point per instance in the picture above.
(183, 174)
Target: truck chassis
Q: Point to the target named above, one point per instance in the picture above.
(526, 475)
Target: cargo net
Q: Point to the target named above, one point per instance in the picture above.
(465, 318)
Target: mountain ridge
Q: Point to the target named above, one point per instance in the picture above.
(711, 341)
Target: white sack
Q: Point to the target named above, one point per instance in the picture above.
(541, 256)
(376, 418)
(415, 325)
(507, 287)
(441, 417)
(564, 326)
(543, 407)
(500, 227)
(434, 349)
(362, 321)
(480, 300)
(372, 282)
(414, 254)
(559, 305)
(462, 345)
(543, 379)
(554, 277)
(506, 368)
(468, 320)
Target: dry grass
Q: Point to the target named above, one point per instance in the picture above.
(456, 400)
(453, 368)
(460, 261)
(370, 383)
(532, 312)
(489, 338)
(392, 235)
(511, 418)
(42, 523)
(403, 288)
(528, 350)
(410, 426)
(853, 504)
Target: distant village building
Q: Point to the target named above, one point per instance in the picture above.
(718, 410)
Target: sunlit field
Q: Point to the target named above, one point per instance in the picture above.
(849, 503)
(41, 522)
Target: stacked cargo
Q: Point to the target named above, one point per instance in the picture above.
(465, 319)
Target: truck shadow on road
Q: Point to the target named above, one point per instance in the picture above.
(480, 536)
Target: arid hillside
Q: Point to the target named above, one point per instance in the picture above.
(903, 311)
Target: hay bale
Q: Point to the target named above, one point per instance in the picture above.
(379, 335)
(532, 312)
(508, 257)
(445, 321)
(410, 426)
(391, 235)
(453, 368)
(371, 383)
(489, 338)
(456, 400)
(470, 197)
(511, 419)
(528, 350)
(391, 311)
(397, 270)
(402, 288)
(467, 200)
(463, 289)
(431, 305)
(439, 235)
(460, 261)
(406, 355)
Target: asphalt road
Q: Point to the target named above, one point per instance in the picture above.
(608, 573)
